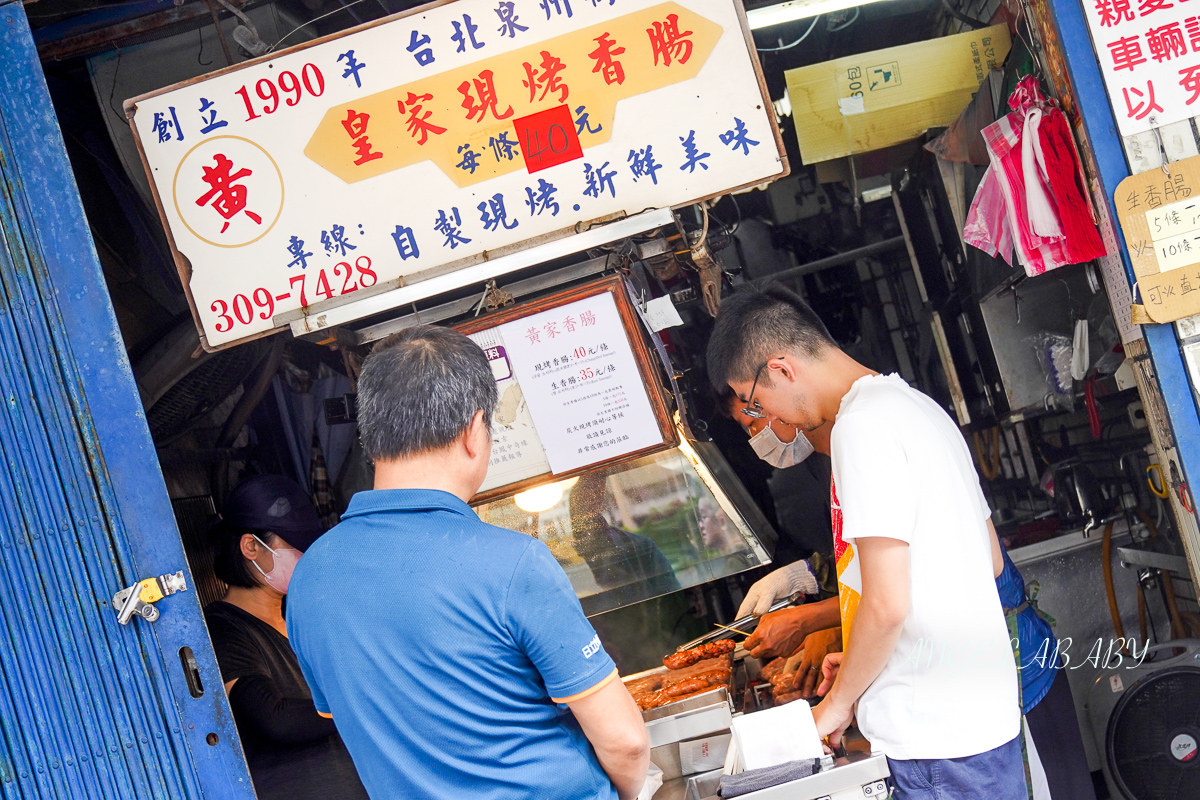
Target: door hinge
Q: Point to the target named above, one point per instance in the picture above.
(140, 598)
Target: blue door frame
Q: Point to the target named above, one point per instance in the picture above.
(88, 708)
(1161, 341)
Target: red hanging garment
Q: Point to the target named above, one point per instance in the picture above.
(1083, 241)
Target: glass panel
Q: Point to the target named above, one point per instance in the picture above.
(635, 530)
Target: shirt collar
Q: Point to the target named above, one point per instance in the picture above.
(405, 500)
(866, 380)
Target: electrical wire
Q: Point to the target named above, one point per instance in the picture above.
(1158, 492)
(963, 18)
(200, 55)
(988, 458)
(1109, 590)
(847, 23)
(738, 209)
(784, 47)
(112, 91)
(351, 4)
(1089, 398)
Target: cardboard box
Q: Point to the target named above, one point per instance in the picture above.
(1159, 211)
(875, 100)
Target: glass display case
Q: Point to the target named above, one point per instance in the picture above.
(639, 529)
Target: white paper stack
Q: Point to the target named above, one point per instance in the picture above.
(771, 737)
(703, 755)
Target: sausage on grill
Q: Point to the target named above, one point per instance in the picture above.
(697, 654)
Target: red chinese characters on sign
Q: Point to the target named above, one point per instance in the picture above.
(1126, 53)
(1163, 42)
(545, 77)
(226, 195)
(1146, 7)
(668, 42)
(418, 123)
(484, 100)
(1166, 42)
(1189, 80)
(356, 128)
(1141, 104)
(605, 56)
(1113, 12)
(1192, 24)
(551, 330)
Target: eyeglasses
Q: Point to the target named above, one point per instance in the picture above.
(753, 409)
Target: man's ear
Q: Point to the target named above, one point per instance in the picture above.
(476, 436)
(784, 368)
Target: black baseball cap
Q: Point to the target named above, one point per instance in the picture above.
(276, 504)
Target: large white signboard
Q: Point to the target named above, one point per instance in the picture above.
(400, 150)
(1149, 52)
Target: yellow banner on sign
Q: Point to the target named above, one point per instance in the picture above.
(463, 119)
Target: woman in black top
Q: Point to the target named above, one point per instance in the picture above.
(293, 752)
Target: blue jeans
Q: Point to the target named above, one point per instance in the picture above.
(998, 774)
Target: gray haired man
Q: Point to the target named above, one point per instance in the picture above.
(453, 655)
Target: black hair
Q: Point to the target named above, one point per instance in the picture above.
(725, 398)
(420, 389)
(228, 562)
(756, 325)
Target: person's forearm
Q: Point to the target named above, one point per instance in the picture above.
(626, 770)
(613, 724)
(288, 720)
(828, 614)
(872, 640)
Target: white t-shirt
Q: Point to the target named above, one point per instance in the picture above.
(902, 469)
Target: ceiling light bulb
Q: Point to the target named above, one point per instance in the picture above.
(793, 10)
(539, 498)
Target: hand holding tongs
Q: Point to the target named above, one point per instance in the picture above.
(737, 625)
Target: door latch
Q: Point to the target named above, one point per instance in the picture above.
(140, 598)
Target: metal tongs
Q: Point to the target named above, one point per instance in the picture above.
(737, 625)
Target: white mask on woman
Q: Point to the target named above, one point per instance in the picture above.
(778, 453)
(281, 573)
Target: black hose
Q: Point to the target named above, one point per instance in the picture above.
(963, 18)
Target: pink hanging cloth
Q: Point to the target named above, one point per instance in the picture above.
(1004, 146)
(987, 221)
(1037, 173)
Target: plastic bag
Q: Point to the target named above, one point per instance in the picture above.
(654, 780)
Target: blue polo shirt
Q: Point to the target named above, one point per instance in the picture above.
(437, 642)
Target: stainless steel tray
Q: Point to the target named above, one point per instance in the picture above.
(710, 712)
(858, 775)
(710, 698)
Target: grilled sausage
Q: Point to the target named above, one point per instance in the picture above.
(686, 686)
(696, 654)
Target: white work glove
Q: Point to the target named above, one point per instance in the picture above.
(783, 582)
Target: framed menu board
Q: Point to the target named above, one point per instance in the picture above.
(578, 388)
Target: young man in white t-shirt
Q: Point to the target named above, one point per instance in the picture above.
(928, 668)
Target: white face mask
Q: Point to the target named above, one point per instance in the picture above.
(778, 453)
(281, 573)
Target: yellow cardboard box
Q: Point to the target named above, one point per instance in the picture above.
(874, 100)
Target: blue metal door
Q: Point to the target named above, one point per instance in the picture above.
(89, 708)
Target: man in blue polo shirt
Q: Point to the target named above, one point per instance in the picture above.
(453, 655)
